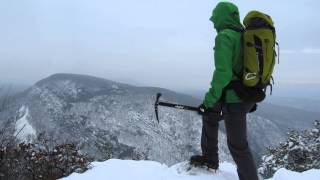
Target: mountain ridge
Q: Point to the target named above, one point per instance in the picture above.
(98, 112)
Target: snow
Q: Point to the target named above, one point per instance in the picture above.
(115, 169)
(269, 158)
(315, 130)
(290, 144)
(114, 86)
(146, 170)
(23, 129)
(283, 174)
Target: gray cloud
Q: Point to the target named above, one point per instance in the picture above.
(311, 51)
(157, 43)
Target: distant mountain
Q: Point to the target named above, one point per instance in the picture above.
(297, 90)
(302, 96)
(100, 113)
(307, 104)
(288, 117)
(270, 124)
(11, 89)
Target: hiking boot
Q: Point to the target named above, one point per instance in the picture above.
(202, 161)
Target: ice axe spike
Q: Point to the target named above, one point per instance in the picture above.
(171, 105)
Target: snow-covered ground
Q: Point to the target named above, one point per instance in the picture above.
(283, 174)
(148, 170)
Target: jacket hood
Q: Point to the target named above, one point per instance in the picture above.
(226, 15)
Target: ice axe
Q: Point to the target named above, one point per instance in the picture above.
(172, 105)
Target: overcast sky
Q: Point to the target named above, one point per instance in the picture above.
(165, 43)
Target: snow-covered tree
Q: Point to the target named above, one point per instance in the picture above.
(38, 160)
(300, 152)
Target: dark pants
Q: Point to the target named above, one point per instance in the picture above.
(236, 130)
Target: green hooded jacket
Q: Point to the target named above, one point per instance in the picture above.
(227, 53)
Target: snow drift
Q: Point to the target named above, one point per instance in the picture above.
(149, 170)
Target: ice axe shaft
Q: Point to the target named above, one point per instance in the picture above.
(178, 106)
(171, 105)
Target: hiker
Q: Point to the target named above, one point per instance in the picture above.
(228, 63)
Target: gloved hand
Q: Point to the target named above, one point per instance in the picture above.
(254, 108)
(202, 109)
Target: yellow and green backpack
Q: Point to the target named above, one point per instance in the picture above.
(259, 40)
(259, 57)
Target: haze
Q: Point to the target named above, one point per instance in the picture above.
(164, 43)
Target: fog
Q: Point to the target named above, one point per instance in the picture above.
(167, 43)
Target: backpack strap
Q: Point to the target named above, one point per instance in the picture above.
(238, 75)
(278, 52)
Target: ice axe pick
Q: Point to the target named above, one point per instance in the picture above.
(172, 105)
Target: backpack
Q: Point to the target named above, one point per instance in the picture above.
(259, 56)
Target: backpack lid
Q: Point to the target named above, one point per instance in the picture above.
(256, 14)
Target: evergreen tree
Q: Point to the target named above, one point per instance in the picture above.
(300, 152)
